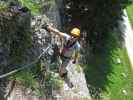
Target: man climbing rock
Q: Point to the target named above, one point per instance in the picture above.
(71, 48)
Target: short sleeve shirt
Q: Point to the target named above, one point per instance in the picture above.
(72, 49)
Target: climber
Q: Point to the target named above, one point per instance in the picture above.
(70, 50)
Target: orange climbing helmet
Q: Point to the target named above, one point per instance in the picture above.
(75, 32)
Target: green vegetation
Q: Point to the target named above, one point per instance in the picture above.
(37, 6)
(108, 79)
(34, 6)
(26, 78)
(54, 81)
(120, 79)
(3, 7)
(130, 13)
(29, 79)
(113, 80)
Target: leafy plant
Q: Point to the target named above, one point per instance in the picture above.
(53, 80)
(36, 6)
(3, 6)
(27, 79)
(39, 91)
(33, 5)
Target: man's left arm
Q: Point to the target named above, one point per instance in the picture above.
(76, 55)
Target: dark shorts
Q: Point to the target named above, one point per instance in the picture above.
(64, 61)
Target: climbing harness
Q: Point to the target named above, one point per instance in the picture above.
(66, 47)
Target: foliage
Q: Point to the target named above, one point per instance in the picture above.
(130, 13)
(100, 20)
(53, 81)
(27, 79)
(120, 79)
(36, 6)
(3, 7)
(108, 79)
(54, 66)
(39, 91)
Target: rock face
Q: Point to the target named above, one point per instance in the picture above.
(79, 91)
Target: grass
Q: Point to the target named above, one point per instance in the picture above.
(121, 78)
(111, 80)
(130, 13)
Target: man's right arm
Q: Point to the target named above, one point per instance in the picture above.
(54, 30)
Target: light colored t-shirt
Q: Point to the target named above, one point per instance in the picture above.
(71, 50)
